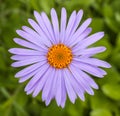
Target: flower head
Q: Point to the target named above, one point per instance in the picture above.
(58, 58)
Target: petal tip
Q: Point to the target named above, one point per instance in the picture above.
(89, 20)
(53, 11)
(16, 76)
(30, 20)
(36, 13)
(18, 31)
(10, 50)
(109, 66)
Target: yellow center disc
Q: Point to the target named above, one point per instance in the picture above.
(59, 56)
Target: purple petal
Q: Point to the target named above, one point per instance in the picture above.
(76, 86)
(89, 51)
(94, 61)
(42, 82)
(31, 38)
(69, 88)
(102, 71)
(22, 51)
(28, 61)
(70, 24)
(28, 76)
(47, 41)
(63, 99)
(48, 85)
(29, 69)
(55, 24)
(75, 26)
(27, 44)
(20, 57)
(36, 35)
(63, 24)
(31, 90)
(48, 25)
(58, 95)
(42, 24)
(37, 77)
(88, 79)
(77, 22)
(91, 39)
(81, 29)
(89, 69)
(78, 76)
(53, 89)
(75, 41)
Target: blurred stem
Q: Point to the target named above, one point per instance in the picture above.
(11, 100)
(5, 93)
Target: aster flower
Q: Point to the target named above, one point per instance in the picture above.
(58, 56)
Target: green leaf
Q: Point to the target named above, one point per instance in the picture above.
(2, 59)
(112, 24)
(101, 112)
(99, 100)
(107, 10)
(100, 24)
(73, 4)
(112, 90)
(45, 6)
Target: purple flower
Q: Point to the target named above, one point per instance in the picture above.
(58, 57)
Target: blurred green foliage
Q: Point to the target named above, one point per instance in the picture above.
(106, 17)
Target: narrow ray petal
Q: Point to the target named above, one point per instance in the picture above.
(48, 25)
(74, 42)
(36, 35)
(76, 86)
(53, 89)
(87, 79)
(42, 82)
(64, 94)
(30, 38)
(69, 89)
(77, 74)
(23, 57)
(28, 76)
(75, 26)
(28, 61)
(89, 51)
(55, 24)
(48, 85)
(29, 69)
(91, 39)
(63, 24)
(22, 51)
(59, 88)
(43, 26)
(45, 37)
(70, 24)
(37, 77)
(31, 90)
(89, 69)
(94, 61)
(82, 28)
(28, 44)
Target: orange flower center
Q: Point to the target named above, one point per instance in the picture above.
(59, 56)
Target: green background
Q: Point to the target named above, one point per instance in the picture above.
(106, 17)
